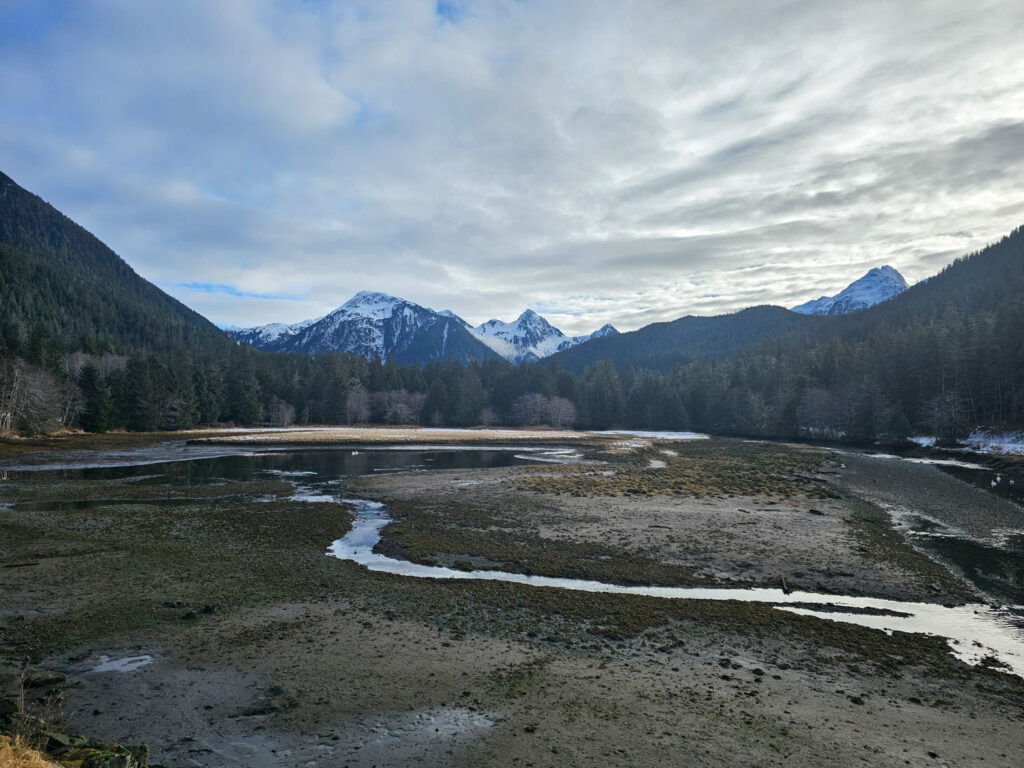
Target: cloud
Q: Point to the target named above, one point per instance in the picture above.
(614, 162)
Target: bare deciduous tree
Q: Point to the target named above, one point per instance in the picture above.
(489, 417)
(30, 400)
(561, 412)
(357, 406)
(530, 409)
(280, 413)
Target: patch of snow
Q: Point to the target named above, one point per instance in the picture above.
(453, 316)
(923, 440)
(657, 464)
(985, 441)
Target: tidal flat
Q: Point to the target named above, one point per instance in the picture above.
(259, 649)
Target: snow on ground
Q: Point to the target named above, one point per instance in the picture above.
(982, 441)
(996, 442)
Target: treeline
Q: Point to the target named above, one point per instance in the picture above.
(938, 373)
(104, 392)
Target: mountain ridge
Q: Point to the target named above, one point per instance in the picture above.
(365, 325)
(877, 285)
(373, 324)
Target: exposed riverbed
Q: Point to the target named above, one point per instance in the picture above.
(192, 606)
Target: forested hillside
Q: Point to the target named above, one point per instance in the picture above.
(665, 346)
(62, 289)
(945, 356)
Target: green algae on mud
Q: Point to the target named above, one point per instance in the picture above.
(491, 539)
(116, 568)
(579, 621)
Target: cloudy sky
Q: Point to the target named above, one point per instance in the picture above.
(624, 162)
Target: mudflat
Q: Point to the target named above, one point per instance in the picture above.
(252, 647)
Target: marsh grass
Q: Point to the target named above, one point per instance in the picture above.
(716, 467)
(17, 752)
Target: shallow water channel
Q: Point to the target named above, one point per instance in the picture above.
(973, 631)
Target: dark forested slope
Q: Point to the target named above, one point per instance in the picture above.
(60, 287)
(665, 346)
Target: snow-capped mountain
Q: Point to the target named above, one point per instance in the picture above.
(371, 325)
(880, 284)
(263, 335)
(375, 324)
(530, 337)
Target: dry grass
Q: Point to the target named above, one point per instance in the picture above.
(16, 753)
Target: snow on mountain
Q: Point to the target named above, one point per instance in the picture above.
(453, 316)
(263, 335)
(880, 284)
(530, 337)
(374, 324)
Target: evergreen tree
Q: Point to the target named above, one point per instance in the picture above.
(95, 416)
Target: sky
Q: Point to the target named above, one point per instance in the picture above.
(595, 160)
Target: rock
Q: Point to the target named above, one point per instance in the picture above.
(58, 741)
(44, 678)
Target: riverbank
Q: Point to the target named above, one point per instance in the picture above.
(260, 642)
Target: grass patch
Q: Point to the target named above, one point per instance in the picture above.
(122, 566)
(16, 752)
(717, 467)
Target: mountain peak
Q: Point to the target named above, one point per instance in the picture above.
(879, 284)
(364, 298)
(373, 324)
